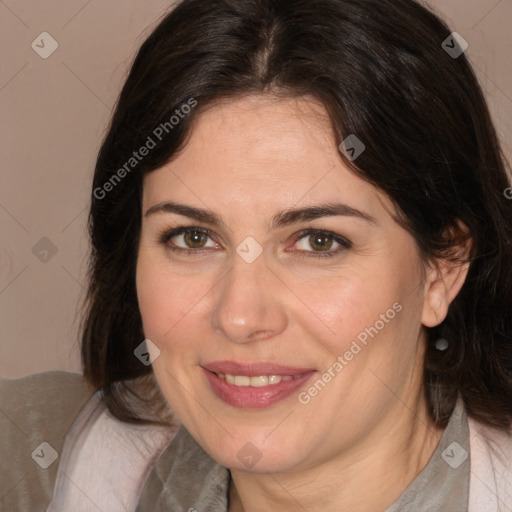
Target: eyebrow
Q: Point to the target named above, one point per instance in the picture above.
(295, 215)
(199, 214)
(284, 218)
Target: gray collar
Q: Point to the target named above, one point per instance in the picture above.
(185, 479)
(444, 482)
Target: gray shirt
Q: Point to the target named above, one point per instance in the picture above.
(443, 485)
(186, 478)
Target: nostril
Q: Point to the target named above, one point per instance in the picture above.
(259, 335)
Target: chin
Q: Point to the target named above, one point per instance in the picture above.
(256, 454)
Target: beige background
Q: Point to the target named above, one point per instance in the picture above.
(54, 112)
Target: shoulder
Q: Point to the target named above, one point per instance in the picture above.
(491, 467)
(36, 413)
(44, 402)
(43, 386)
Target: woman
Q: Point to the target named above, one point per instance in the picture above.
(301, 276)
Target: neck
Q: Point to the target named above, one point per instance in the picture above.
(368, 479)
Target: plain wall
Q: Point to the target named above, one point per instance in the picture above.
(54, 112)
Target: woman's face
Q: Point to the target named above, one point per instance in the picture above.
(286, 272)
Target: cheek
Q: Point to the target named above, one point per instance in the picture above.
(369, 315)
(166, 300)
(341, 307)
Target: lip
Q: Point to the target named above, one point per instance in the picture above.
(248, 397)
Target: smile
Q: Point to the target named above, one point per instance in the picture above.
(254, 386)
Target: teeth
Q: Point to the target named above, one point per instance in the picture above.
(274, 379)
(242, 380)
(256, 381)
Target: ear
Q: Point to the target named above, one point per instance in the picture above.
(444, 280)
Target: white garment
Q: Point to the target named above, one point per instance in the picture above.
(105, 462)
(490, 483)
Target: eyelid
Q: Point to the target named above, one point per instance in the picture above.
(336, 236)
(344, 242)
(166, 235)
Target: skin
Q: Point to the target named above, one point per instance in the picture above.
(360, 442)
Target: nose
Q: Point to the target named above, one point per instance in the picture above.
(247, 304)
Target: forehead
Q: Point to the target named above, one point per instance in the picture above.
(263, 152)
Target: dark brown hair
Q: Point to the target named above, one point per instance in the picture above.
(381, 72)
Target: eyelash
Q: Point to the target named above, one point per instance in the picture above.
(166, 236)
(344, 243)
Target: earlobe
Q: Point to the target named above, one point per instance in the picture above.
(434, 305)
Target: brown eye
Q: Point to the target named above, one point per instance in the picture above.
(195, 239)
(321, 241)
(188, 239)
